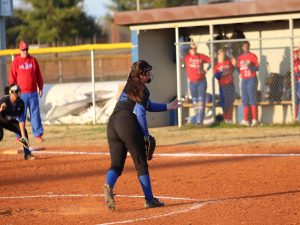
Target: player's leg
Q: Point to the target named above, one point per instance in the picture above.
(202, 99)
(35, 117)
(297, 98)
(252, 90)
(228, 95)
(245, 100)
(13, 126)
(118, 153)
(193, 91)
(134, 141)
(222, 101)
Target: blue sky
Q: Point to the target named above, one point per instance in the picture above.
(95, 8)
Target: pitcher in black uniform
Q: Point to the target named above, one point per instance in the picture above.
(11, 107)
(127, 128)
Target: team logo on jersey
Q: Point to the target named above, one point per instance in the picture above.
(26, 66)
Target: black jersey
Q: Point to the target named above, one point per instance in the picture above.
(125, 103)
(12, 111)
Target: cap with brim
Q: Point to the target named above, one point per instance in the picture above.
(23, 45)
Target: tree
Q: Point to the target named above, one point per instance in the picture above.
(51, 22)
(125, 5)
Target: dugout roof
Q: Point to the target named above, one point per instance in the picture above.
(207, 12)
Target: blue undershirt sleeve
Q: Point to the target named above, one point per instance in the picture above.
(156, 107)
(140, 112)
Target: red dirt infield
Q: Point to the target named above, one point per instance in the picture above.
(68, 189)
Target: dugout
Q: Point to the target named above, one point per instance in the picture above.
(272, 27)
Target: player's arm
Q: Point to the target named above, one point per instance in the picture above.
(140, 113)
(160, 107)
(217, 73)
(253, 64)
(207, 60)
(40, 82)
(12, 74)
(20, 117)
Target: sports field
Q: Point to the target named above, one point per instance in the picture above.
(208, 176)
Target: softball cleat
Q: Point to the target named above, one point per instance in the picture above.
(29, 157)
(109, 197)
(153, 203)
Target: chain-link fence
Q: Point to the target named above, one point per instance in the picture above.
(76, 66)
(250, 82)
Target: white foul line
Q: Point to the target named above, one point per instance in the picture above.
(190, 208)
(179, 154)
(92, 195)
(194, 206)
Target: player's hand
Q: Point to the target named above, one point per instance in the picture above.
(3, 106)
(40, 93)
(174, 105)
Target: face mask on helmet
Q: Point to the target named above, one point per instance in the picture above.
(15, 90)
(147, 72)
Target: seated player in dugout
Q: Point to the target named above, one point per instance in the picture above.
(248, 66)
(11, 107)
(127, 131)
(196, 73)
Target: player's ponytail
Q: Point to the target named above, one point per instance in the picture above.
(135, 88)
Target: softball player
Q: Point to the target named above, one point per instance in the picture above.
(11, 107)
(223, 71)
(297, 81)
(248, 65)
(196, 73)
(126, 131)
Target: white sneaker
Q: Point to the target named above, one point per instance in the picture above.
(228, 122)
(254, 123)
(245, 123)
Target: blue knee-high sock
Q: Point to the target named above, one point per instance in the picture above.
(111, 178)
(146, 186)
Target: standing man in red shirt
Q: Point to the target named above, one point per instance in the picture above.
(197, 81)
(25, 71)
(248, 65)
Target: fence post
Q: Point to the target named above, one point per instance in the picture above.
(211, 34)
(93, 85)
(291, 26)
(60, 75)
(178, 72)
(3, 61)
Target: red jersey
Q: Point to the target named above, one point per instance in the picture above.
(296, 54)
(226, 68)
(297, 69)
(194, 66)
(245, 62)
(26, 73)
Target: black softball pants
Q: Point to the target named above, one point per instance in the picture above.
(124, 134)
(12, 125)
